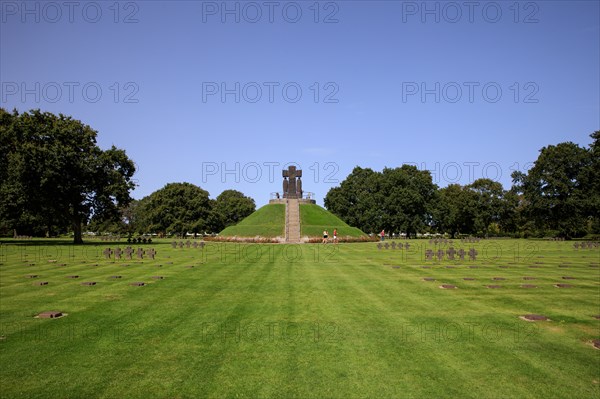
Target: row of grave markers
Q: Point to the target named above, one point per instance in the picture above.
(188, 244)
(128, 252)
(586, 245)
(393, 245)
(451, 254)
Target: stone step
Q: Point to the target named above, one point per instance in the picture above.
(292, 227)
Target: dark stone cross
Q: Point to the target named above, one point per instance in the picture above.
(118, 253)
(461, 253)
(451, 252)
(429, 254)
(439, 254)
(107, 252)
(140, 253)
(151, 253)
(128, 252)
(292, 183)
(473, 254)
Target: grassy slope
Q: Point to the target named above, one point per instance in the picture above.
(288, 321)
(315, 219)
(268, 221)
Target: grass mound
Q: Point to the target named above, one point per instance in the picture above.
(314, 219)
(268, 221)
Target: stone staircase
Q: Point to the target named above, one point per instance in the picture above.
(292, 221)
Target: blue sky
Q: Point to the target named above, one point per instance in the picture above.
(224, 94)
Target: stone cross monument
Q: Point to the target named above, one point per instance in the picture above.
(292, 183)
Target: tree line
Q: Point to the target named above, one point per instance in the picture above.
(558, 197)
(54, 179)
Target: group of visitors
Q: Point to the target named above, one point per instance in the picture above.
(326, 236)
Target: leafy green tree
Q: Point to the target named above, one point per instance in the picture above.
(454, 211)
(407, 201)
(356, 200)
(178, 208)
(487, 203)
(53, 172)
(396, 199)
(230, 207)
(559, 189)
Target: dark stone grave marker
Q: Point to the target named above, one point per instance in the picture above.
(128, 253)
(451, 252)
(439, 254)
(50, 314)
(429, 254)
(107, 253)
(473, 254)
(447, 286)
(534, 317)
(151, 253)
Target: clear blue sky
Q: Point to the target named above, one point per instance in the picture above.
(466, 91)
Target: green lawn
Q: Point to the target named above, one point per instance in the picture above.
(299, 321)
